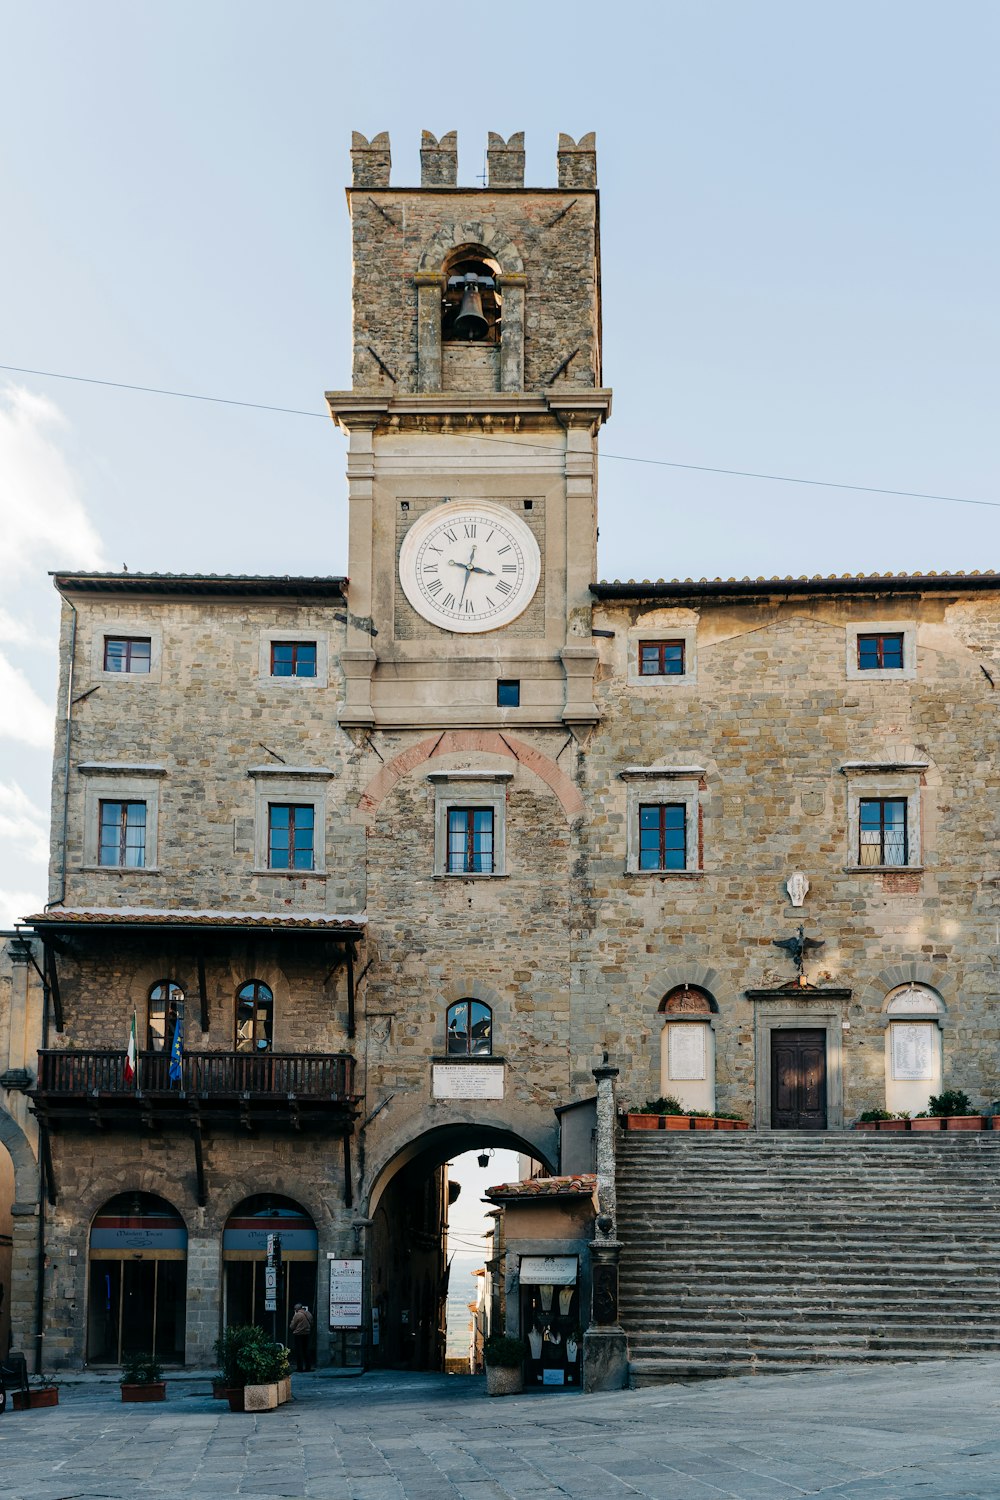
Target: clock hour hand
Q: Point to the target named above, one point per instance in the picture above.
(488, 571)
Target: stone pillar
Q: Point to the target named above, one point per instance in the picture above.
(512, 289)
(439, 160)
(24, 1269)
(430, 289)
(204, 1300)
(577, 161)
(505, 160)
(605, 1348)
(370, 160)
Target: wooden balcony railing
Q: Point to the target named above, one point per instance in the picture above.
(208, 1075)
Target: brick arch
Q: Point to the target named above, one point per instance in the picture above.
(461, 741)
(678, 975)
(473, 232)
(877, 993)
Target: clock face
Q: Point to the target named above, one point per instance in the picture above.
(469, 567)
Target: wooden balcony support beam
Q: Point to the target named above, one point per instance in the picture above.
(203, 992)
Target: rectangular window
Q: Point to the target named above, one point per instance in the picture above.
(880, 653)
(293, 658)
(470, 841)
(290, 834)
(662, 836)
(882, 831)
(508, 693)
(122, 835)
(127, 653)
(661, 658)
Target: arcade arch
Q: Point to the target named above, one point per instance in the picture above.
(407, 1220)
(137, 1293)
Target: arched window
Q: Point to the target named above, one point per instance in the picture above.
(470, 1029)
(138, 1280)
(254, 1017)
(166, 1008)
(472, 305)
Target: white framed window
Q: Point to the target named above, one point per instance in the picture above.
(881, 651)
(662, 655)
(470, 823)
(126, 651)
(294, 659)
(290, 812)
(663, 823)
(883, 815)
(121, 805)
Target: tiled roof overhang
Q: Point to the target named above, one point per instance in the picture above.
(110, 919)
(848, 583)
(201, 585)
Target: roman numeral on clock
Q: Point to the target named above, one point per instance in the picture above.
(501, 587)
(448, 602)
(470, 530)
(435, 586)
(510, 567)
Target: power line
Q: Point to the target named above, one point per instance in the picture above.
(624, 458)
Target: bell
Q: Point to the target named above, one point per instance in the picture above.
(470, 323)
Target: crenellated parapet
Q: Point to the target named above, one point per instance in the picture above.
(370, 160)
(578, 161)
(439, 159)
(505, 160)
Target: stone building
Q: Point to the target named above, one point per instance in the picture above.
(401, 856)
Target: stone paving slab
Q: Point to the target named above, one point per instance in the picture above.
(903, 1432)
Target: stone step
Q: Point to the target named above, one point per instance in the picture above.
(681, 1365)
(733, 1340)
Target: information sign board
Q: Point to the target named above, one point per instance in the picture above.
(346, 1294)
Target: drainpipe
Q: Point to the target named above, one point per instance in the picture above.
(68, 721)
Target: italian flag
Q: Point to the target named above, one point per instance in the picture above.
(131, 1055)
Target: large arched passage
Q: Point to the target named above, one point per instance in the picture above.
(407, 1224)
(18, 1186)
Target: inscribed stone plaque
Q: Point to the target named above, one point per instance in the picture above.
(913, 1051)
(686, 1052)
(459, 1081)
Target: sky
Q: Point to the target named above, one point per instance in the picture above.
(799, 224)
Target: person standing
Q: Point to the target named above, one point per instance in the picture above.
(301, 1330)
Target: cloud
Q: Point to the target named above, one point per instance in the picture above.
(16, 905)
(14, 631)
(23, 823)
(43, 520)
(23, 714)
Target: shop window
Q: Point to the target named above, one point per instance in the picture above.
(470, 1029)
(138, 1280)
(166, 1008)
(254, 1017)
(244, 1258)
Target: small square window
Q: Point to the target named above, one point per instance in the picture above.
(290, 836)
(293, 658)
(127, 653)
(470, 841)
(880, 653)
(508, 693)
(662, 836)
(882, 837)
(122, 835)
(661, 658)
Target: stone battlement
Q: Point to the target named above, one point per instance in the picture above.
(372, 160)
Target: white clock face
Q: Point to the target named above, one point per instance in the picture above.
(469, 567)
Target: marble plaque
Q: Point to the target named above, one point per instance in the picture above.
(686, 1052)
(913, 1051)
(468, 1081)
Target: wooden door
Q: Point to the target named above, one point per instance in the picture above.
(798, 1080)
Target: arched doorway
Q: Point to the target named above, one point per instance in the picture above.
(138, 1280)
(407, 1263)
(244, 1256)
(6, 1244)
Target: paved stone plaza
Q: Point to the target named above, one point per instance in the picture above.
(929, 1431)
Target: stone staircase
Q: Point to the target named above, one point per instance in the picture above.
(748, 1253)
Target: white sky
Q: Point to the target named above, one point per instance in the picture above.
(799, 254)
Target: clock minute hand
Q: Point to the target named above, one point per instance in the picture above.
(477, 569)
(469, 570)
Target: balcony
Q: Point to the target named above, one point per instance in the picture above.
(250, 1090)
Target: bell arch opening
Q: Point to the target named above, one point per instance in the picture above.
(408, 1262)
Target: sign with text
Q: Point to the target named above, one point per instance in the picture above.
(468, 1081)
(346, 1293)
(548, 1270)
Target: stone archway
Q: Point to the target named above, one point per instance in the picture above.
(19, 1201)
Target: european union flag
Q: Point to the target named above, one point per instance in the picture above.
(176, 1053)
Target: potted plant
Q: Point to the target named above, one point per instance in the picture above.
(41, 1392)
(952, 1107)
(726, 1121)
(701, 1119)
(665, 1113)
(142, 1378)
(254, 1368)
(871, 1119)
(504, 1356)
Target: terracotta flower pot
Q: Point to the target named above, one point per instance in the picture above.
(865, 1124)
(699, 1124)
(234, 1395)
(965, 1122)
(150, 1390)
(46, 1395)
(220, 1390)
(740, 1124)
(642, 1122)
(892, 1124)
(933, 1122)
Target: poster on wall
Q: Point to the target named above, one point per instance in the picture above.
(913, 1051)
(346, 1294)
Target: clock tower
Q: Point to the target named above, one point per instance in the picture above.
(473, 421)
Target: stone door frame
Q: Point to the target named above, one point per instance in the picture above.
(785, 1015)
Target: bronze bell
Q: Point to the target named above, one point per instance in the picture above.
(470, 323)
